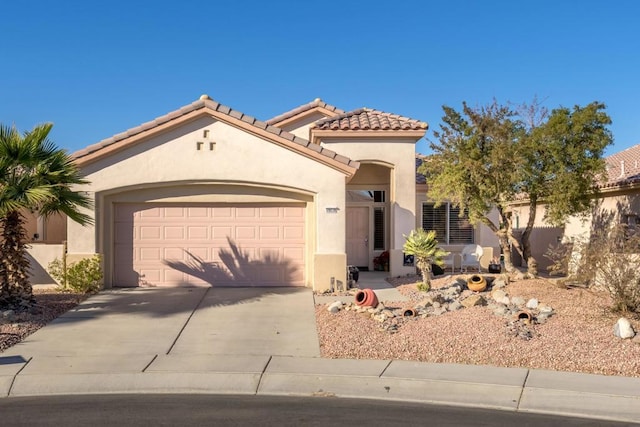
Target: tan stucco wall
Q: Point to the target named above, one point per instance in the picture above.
(301, 127)
(240, 162)
(398, 155)
(40, 256)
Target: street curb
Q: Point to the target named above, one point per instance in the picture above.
(510, 389)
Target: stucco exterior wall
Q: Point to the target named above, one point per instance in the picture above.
(237, 167)
(301, 127)
(40, 256)
(399, 156)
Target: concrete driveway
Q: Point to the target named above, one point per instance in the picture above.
(181, 321)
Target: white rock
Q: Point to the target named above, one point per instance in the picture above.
(623, 329)
(545, 309)
(335, 307)
(532, 303)
(519, 301)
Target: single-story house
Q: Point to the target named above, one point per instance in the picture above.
(208, 195)
(619, 202)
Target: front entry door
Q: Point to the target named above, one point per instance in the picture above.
(358, 236)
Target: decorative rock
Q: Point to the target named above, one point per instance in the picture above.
(497, 294)
(474, 300)
(498, 283)
(436, 304)
(335, 307)
(519, 301)
(501, 310)
(545, 309)
(388, 313)
(623, 329)
(532, 303)
(542, 317)
(454, 306)
(439, 311)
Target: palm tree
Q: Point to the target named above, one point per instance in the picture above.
(35, 175)
(424, 247)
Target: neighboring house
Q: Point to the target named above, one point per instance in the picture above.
(619, 202)
(207, 194)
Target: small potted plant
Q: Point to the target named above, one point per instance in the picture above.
(381, 262)
(494, 266)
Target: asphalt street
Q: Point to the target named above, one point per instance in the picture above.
(230, 410)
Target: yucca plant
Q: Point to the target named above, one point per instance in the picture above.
(34, 175)
(425, 250)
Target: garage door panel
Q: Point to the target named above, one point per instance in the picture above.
(174, 213)
(197, 212)
(221, 232)
(150, 254)
(197, 253)
(209, 244)
(293, 233)
(198, 232)
(149, 232)
(174, 232)
(248, 233)
(269, 232)
(148, 213)
(173, 254)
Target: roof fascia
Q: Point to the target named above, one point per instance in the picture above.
(302, 115)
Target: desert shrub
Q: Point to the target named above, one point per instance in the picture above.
(424, 247)
(84, 276)
(608, 260)
(560, 256)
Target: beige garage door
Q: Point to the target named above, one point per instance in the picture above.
(219, 245)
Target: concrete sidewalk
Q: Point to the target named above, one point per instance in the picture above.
(526, 390)
(263, 341)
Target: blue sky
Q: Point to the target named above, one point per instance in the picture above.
(97, 68)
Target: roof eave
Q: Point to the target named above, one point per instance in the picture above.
(302, 115)
(316, 135)
(136, 135)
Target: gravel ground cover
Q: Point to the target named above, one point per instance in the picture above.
(50, 303)
(577, 338)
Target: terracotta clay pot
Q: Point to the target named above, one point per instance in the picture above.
(476, 283)
(524, 316)
(367, 298)
(409, 312)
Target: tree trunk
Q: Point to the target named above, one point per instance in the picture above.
(505, 239)
(532, 264)
(425, 270)
(15, 289)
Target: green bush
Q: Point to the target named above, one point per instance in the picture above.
(84, 276)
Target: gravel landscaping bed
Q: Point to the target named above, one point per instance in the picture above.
(50, 303)
(578, 337)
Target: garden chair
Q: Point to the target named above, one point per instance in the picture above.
(449, 261)
(470, 257)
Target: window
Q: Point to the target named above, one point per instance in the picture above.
(376, 196)
(445, 220)
(378, 229)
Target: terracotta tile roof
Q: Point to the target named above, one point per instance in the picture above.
(368, 119)
(623, 168)
(206, 102)
(304, 108)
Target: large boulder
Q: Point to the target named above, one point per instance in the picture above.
(623, 329)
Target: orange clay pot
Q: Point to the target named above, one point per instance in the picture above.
(476, 283)
(367, 298)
